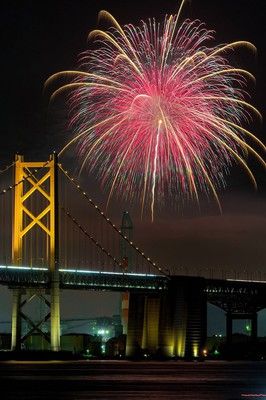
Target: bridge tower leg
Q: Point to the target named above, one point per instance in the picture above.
(16, 320)
(28, 224)
(126, 256)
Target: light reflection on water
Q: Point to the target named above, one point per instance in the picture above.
(80, 380)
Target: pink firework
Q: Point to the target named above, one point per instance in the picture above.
(156, 112)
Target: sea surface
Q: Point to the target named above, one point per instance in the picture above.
(75, 380)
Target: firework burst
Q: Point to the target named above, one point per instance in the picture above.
(158, 112)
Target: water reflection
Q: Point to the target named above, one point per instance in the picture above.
(211, 380)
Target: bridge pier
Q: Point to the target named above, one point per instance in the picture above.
(135, 324)
(190, 317)
(172, 324)
(16, 320)
(55, 312)
(151, 323)
(196, 321)
(180, 321)
(165, 339)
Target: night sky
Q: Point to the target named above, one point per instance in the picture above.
(41, 38)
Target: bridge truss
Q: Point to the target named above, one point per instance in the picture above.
(53, 236)
(46, 247)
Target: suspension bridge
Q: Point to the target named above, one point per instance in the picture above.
(53, 236)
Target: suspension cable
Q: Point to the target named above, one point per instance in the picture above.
(96, 243)
(31, 174)
(91, 202)
(7, 167)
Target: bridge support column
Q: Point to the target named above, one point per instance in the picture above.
(196, 320)
(55, 312)
(124, 310)
(165, 340)
(54, 259)
(135, 324)
(16, 320)
(143, 324)
(172, 324)
(126, 255)
(180, 323)
(189, 317)
(151, 324)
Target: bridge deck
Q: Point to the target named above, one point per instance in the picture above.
(226, 294)
(82, 279)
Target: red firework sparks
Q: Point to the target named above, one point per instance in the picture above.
(156, 112)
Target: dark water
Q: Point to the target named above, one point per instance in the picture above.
(77, 380)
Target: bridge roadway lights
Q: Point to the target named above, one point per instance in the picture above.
(170, 324)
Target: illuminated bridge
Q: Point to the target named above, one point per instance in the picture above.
(82, 279)
(53, 236)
